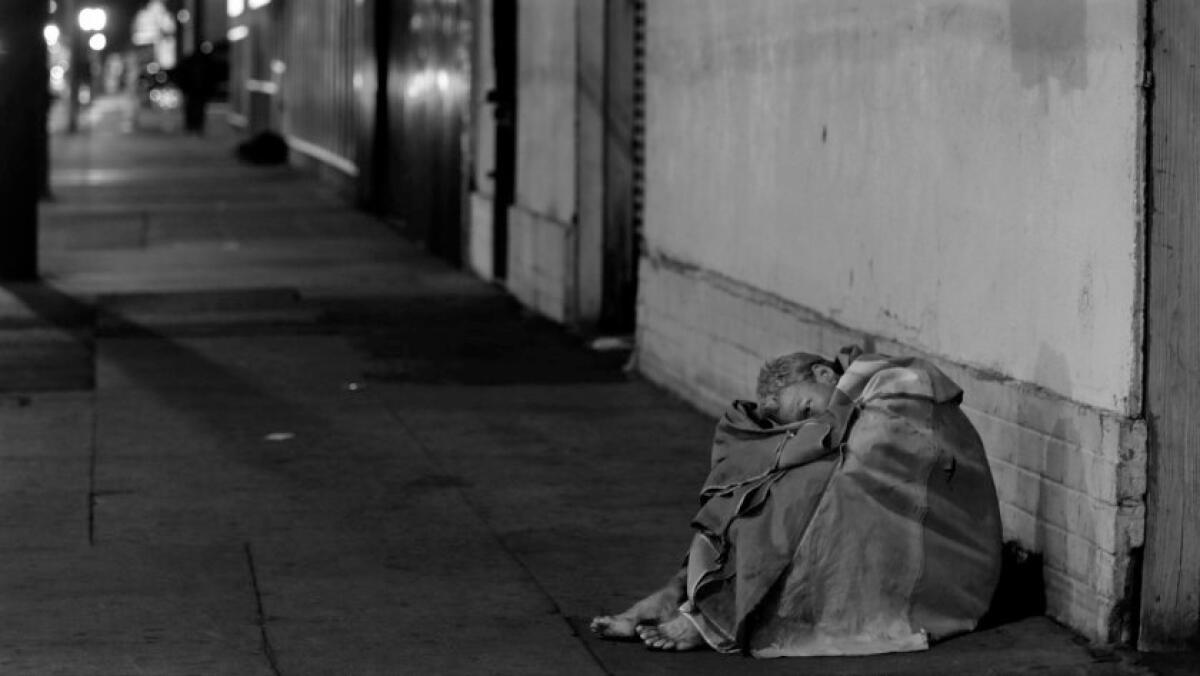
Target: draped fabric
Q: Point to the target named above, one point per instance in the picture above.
(872, 527)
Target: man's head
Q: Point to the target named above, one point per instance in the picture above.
(795, 386)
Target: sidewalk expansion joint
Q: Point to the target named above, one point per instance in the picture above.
(499, 539)
(91, 498)
(260, 616)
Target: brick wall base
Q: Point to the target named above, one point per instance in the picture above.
(1070, 477)
(540, 261)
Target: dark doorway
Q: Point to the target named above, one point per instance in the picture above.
(504, 107)
(23, 101)
(373, 143)
(623, 180)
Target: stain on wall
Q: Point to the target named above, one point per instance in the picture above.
(967, 161)
(1086, 302)
(1049, 42)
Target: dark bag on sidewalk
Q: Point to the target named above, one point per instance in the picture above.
(265, 147)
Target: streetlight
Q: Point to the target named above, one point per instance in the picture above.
(51, 33)
(98, 42)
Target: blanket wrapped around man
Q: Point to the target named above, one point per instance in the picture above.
(872, 527)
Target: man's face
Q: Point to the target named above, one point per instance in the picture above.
(798, 401)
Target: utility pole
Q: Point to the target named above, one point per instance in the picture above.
(24, 81)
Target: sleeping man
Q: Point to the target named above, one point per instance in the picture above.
(850, 510)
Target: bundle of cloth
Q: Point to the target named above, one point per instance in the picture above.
(869, 527)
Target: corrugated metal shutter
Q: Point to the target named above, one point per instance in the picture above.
(318, 52)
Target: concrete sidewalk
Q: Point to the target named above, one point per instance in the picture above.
(246, 430)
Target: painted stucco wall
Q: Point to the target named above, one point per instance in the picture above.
(959, 176)
(541, 223)
(546, 108)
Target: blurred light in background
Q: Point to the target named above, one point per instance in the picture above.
(92, 19)
(156, 26)
(183, 16)
(237, 33)
(51, 32)
(166, 98)
(255, 4)
(58, 79)
(98, 42)
(431, 81)
(235, 7)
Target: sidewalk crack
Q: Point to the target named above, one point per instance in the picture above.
(91, 497)
(260, 617)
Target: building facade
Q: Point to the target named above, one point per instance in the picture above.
(972, 182)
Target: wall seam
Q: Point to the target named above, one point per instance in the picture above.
(1126, 621)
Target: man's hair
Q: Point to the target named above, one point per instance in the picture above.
(780, 372)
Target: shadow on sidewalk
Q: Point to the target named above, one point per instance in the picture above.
(162, 371)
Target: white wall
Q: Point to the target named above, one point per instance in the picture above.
(541, 224)
(959, 179)
(961, 176)
(546, 108)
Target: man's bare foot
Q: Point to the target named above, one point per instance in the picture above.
(658, 607)
(677, 634)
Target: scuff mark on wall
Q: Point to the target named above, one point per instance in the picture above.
(1049, 42)
(1086, 303)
